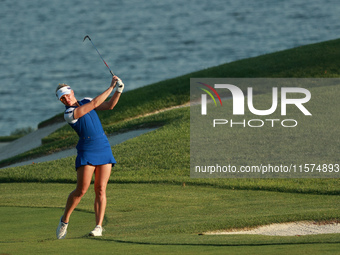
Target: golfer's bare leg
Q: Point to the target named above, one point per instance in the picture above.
(102, 176)
(84, 176)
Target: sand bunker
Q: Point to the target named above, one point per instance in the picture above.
(286, 229)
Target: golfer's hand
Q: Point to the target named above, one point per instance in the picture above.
(114, 81)
(120, 86)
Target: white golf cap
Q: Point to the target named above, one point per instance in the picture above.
(63, 91)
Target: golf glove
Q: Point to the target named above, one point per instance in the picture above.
(120, 86)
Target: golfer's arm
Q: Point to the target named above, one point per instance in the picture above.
(96, 102)
(109, 105)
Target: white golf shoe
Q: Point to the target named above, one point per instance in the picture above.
(62, 229)
(97, 231)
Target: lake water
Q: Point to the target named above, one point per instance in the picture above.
(142, 41)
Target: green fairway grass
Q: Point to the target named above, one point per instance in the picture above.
(153, 204)
(87, 246)
(165, 215)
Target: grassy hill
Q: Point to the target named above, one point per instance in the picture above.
(317, 60)
(153, 203)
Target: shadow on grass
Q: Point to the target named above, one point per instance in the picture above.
(212, 245)
(188, 181)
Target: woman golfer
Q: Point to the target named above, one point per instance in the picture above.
(94, 154)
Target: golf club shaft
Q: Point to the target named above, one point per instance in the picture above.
(99, 54)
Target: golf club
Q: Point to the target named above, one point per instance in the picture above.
(99, 54)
